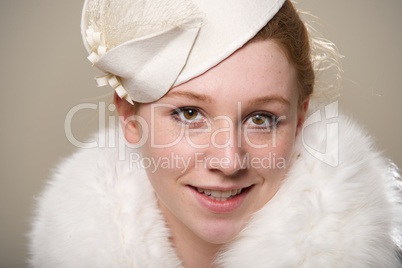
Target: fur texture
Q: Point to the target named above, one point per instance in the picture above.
(97, 212)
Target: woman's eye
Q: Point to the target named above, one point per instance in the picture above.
(189, 116)
(261, 120)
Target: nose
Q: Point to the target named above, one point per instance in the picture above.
(225, 153)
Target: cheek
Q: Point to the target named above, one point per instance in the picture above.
(165, 133)
(271, 165)
(273, 161)
(161, 143)
(285, 140)
(162, 172)
(167, 156)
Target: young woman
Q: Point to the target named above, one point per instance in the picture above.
(231, 159)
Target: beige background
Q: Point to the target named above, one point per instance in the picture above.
(44, 73)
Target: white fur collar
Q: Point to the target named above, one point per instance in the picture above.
(97, 212)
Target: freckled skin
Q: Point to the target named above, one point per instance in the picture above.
(259, 69)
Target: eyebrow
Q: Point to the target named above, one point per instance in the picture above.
(190, 95)
(205, 98)
(270, 98)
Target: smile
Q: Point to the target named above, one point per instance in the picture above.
(220, 195)
(220, 201)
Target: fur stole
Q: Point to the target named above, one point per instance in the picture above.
(96, 211)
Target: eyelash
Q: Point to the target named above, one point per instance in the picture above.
(271, 119)
(178, 116)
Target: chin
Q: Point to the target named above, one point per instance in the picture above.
(220, 231)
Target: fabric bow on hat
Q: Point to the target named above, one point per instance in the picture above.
(146, 47)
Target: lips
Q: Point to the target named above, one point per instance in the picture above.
(220, 201)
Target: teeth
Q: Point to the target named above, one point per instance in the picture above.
(219, 195)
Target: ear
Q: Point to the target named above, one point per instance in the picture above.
(301, 115)
(129, 125)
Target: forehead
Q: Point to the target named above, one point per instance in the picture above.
(260, 67)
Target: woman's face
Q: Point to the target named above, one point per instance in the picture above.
(218, 146)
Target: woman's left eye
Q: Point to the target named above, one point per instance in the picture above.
(261, 120)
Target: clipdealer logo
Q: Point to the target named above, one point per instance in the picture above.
(324, 121)
(200, 160)
(327, 134)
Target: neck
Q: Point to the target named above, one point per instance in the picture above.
(191, 249)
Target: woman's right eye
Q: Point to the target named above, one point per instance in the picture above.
(189, 116)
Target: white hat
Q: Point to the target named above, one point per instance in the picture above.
(146, 47)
